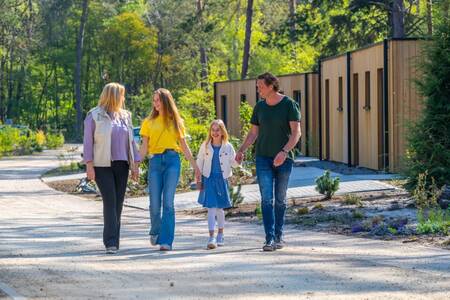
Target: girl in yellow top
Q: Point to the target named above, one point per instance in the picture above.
(163, 138)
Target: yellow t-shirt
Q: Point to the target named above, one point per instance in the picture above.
(160, 137)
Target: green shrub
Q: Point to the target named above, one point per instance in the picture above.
(187, 174)
(9, 139)
(431, 218)
(303, 211)
(429, 138)
(26, 144)
(392, 230)
(143, 172)
(318, 206)
(352, 199)
(245, 114)
(54, 141)
(425, 195)
(258, 211)
(20, 141)
(326, 185)
(428, 227)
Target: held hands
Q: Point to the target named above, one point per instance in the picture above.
(239, 157)
(198, 178)
(135, 172)
(198, 174)
(279, 159)
(199, 185)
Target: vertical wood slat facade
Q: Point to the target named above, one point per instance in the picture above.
(366, 67)
(404, 99)
(362, 122)
(303, 87)
(334, 109)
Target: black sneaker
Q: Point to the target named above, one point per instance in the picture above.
(280, 243)
(269, 246)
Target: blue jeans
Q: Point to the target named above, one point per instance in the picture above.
(163, 175)
(272, 179)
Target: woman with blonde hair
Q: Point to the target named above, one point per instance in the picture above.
(109, 153)
(163, 138)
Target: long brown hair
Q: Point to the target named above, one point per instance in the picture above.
(169, 111)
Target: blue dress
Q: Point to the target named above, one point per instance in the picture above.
(215, 192)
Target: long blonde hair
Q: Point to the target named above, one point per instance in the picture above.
(169, 111)
(223, 130)
(111, 97)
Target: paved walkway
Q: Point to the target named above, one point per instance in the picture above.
(301, 185)
(50, 247)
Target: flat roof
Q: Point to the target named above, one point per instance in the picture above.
(283, 75)
(369, 46)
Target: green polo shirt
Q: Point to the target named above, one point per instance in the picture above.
(273, 122)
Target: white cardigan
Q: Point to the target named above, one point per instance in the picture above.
(226, 157)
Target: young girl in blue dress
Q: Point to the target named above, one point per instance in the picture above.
(215, 160)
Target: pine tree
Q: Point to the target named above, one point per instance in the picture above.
(429, 139)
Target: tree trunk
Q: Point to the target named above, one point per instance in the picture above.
(398, 25)
(86, 78)
(30, 20)
(203, 54)
(234, 67)
(430, 17)
(292, 7)
(77, 77)
(10, 103)
(248, 34)
(39, 108)
(445, 9)
(56, 95)
(204, 71)
(19, 89)
(2, 95)
(159, 60)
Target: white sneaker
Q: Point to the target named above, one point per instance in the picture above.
(220, 240)
(111, 250)
(212, 243)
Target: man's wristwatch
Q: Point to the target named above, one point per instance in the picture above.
(285, 152)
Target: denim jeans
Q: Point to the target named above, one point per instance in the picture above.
(163, 175)
(112, 183)
(273, 181)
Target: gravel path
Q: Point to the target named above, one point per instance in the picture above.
(50, 247)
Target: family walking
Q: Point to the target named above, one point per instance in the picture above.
(110, 153)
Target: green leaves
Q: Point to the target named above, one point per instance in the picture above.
(326, 185)
(150, 44)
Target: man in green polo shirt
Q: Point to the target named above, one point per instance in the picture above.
(276, 130)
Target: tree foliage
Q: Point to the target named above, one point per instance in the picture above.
(181, 45)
